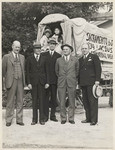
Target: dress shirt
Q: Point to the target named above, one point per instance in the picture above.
(67, 57)
(14, 54)
(35, 55)
(85, 56)
(51, 52)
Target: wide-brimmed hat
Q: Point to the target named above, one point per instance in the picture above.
(67, 46)
(52, 40)
(97, 91)
(36, 45)
(47, 30)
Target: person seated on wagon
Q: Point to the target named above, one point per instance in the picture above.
(44, 40)
(58, 37)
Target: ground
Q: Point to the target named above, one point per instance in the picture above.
(55, 135)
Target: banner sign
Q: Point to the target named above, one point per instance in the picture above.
(100, 45)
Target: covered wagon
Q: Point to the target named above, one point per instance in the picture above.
(76, 31)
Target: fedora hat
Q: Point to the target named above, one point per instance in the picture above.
(97, 91)
(67, 46)
(47, 30)
(36, 45)
(52, 40)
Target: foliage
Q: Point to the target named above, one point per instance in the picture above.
(20, 19)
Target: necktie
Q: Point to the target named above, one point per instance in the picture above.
(37, 58)
(51, 54)
(84, 57)
(16, 56)
(66, 58)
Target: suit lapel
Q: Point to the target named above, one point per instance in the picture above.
(49, 55)
(37, 63)
(11, 58)
(64, 63)
(54, 54)
(87, 58)
(70, 62)
(21, 61)
(34, 59)
(84, 62)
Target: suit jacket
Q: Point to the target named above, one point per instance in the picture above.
(67, 72)
(51, 61)
(89, 70)
(37, 71)
(8, 68)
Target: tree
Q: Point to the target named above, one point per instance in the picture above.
(20, 20)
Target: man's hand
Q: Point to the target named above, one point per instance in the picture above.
(46, 86)
(78, 86)
(4, 87)
(96, 83)
(30, 86)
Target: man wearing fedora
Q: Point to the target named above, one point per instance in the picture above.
(51, 92)
(89, 75)
(14, 75)
(37, 81)
(44, 40)
(67, 68)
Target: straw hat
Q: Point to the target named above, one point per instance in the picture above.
(48, 30)
(97, 91)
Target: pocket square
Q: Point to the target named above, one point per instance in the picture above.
(89, 59)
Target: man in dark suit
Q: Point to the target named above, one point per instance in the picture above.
(38, 81)
(14, 76)
(51, 92)
(67, 68)
(89, 74)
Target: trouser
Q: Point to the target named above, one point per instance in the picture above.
(38, 98)
(17, 90)
(51, 94)
(62, 97)
(90, 104)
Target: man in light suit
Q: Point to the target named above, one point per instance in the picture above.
(66, 69)
(14, 76)
(89, 74)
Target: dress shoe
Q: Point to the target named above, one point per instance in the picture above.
(85, 121)
(33, 123)
(42, 123)
(72, 122)
(54, 119)
(45, 120)
(63, 122)
(20, 123)
(93, 123)
(8, 124)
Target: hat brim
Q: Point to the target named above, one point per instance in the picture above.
(94, 91)
(67, 46)
(36, 47)
(47, 31)
(52, 41)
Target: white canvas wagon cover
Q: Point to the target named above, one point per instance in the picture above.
(76, 31)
